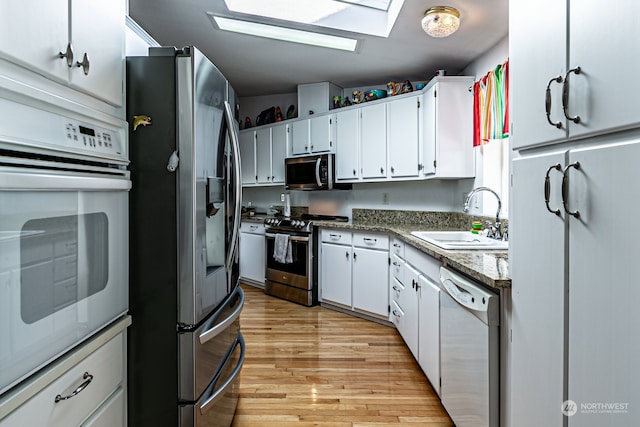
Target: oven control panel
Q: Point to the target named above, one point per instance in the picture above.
(92, 138)
(288, 223)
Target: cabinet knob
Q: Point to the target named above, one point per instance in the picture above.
(68, 54)
(347, 254)
(354, 172)
(381, 171)
(392, 169)
(84, 64)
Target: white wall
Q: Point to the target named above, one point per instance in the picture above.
(428, 195)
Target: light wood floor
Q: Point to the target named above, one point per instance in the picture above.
(318, 367)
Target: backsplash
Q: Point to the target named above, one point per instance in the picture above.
(455, 220)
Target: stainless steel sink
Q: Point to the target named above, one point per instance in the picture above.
(460, 240)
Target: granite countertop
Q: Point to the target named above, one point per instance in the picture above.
(490, 267)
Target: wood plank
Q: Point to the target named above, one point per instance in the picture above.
(312, 366)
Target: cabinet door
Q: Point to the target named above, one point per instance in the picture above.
(336, 274)
(429, 120)
(279, 136)
(248, 157)
(32, 34)
(603, 283)
(429, 331)
(404, 129)
(300, 137)
(409, 304)
(252, 257)
(263, 155)
(373, 141)
(533, 64)
(605, 94)
(320, 133)
(98, 30)
(370, 281)
(347, 141)
(537, 268)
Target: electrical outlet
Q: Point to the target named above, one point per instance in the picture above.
(282, 197)
(385, 198)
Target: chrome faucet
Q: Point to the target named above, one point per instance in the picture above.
(495, 230)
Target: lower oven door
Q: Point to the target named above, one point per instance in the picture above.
(217, 405)
(63, 262)
(203, 351)
(297, 273)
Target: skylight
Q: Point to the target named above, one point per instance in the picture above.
(372, 17)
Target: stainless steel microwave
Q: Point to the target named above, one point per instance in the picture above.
(314, 172)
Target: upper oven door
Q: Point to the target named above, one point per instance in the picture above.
(63, 260)
(309, 172)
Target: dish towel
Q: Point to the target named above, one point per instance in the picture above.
(282, 249)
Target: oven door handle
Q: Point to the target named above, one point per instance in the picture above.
(28, 179)
(235, 147)
(210, 402)
(292, 238)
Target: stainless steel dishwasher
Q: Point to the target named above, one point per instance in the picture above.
(469, 351)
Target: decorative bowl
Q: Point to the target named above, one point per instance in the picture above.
(372, 94)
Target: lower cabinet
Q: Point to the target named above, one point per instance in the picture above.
(252, 252)
(416, 295)
(90, 393)
(354, 271)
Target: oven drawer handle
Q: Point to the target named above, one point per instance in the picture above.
(211, 401)
(209, 334)
(87, 377)
(292, 238)
(30, 180)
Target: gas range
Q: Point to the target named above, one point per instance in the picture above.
(302, 224)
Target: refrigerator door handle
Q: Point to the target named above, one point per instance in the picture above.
(211, 401)
(235, 147)
(211, 333)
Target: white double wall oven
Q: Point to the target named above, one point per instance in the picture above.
(64, 192)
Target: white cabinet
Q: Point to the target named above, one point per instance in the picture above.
(316, 98)
(404, 126)
(347, 145)
(335, 262)
(603, 94)
(247, 144)
(373, 141)
(93, 392)
(448, 129)
(370, 273)
(33, 35)
(355, 271)
(314, 135)
(252, 252)
(587, 286)
(262, 154)
(415, 291)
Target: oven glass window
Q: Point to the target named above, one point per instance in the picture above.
(51, 249)
(299, 252)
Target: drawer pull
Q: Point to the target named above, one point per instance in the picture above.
(396, 263)
(395, 245)
(87, 377)
(335, 236)
(369, 240)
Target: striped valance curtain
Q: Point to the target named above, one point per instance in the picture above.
(491, 105)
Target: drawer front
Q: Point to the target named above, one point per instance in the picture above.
(397, 268)
(339, 237)
(425, 264)
(397, 316)
(371, 240)
(396, 291)
(110, 414)
(252, 227)
(397, 247)
(105, 372)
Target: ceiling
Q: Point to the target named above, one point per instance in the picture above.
(257, 66)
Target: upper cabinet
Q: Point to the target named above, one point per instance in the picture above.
(373, 141)
(79, 43)
(563, 85)
(314, 135)
(448, 129)
(262, 153)
(404, 128)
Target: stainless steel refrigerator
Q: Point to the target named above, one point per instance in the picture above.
(185, 349)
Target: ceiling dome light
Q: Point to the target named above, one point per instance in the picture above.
(441, 21)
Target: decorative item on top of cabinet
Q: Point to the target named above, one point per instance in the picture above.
(64, 41)
(591, 77)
